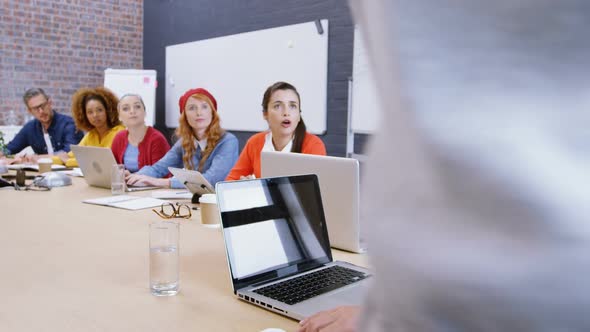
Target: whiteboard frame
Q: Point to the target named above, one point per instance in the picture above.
(238, 68)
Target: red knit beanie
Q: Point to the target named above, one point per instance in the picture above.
(200, 91)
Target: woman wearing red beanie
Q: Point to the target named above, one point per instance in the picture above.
(203, 145)
(287, 132)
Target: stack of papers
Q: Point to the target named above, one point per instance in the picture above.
(172, 194)
(127, 202)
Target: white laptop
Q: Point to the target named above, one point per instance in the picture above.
(96, 163)
(339, 184)
(278, 249)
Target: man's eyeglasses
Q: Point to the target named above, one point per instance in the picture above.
(38, 108)
(169, 211)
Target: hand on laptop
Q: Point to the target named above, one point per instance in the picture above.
(339, 319)
(144, 180)
(248, 177)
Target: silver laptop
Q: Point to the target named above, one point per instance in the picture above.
(278, 249)
(339, 185)
(95, 163)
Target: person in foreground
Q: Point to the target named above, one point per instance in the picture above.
(281, 108)
(48, 133)
(203, 145)
(481, 222)
(95, 111)
(139, 145)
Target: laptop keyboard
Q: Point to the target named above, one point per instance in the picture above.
(312, 284)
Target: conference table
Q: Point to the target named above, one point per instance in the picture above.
(72, 266)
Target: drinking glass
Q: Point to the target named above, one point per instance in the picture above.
(118, 179)
(164, 273)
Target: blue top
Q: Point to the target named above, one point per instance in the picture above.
(130, 158)
(216, 167)
(62, 132)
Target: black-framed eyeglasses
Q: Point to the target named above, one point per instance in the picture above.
(178, 210)
(39, 107)
(33, 186)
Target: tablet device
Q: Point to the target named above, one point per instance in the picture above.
(194, 181)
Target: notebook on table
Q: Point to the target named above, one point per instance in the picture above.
(278, 249)
(96, 163)
(34, 167)
(339, 180)
(126, 202)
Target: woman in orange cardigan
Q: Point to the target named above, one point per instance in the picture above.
(287, 132)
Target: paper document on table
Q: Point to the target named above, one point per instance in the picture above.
(127, 202)
(74, 172)
(172, 194)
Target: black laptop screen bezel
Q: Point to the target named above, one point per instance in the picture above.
(287, 270)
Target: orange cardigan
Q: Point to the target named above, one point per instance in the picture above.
(249, 160)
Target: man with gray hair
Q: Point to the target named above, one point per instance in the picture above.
(49, 133)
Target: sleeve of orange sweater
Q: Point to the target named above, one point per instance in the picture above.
(250, 154)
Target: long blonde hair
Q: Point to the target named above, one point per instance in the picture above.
(185, 132)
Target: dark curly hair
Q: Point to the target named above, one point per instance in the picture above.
(105, 96)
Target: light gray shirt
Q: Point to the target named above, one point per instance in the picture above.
(477, 195)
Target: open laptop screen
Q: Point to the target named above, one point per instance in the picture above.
(272, 227)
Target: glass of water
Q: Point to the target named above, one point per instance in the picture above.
(118, 179)
(164, 278)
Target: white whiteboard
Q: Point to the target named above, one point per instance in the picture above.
(237, 69)
(141, 82)
(365, 104)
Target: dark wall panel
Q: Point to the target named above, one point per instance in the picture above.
(168, 22)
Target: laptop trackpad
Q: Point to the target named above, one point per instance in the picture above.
(345, 296)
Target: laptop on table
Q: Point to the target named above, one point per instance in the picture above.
(96, 163)
(339, 180)
(278, 249)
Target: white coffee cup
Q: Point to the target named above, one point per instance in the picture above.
(44, 165)
(209, 210)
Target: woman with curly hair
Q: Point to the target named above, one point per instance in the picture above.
(95, 111)
(203, 145)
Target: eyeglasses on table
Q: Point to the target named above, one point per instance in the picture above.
(178, 210)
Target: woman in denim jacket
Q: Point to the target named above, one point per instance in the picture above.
(203, 145)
